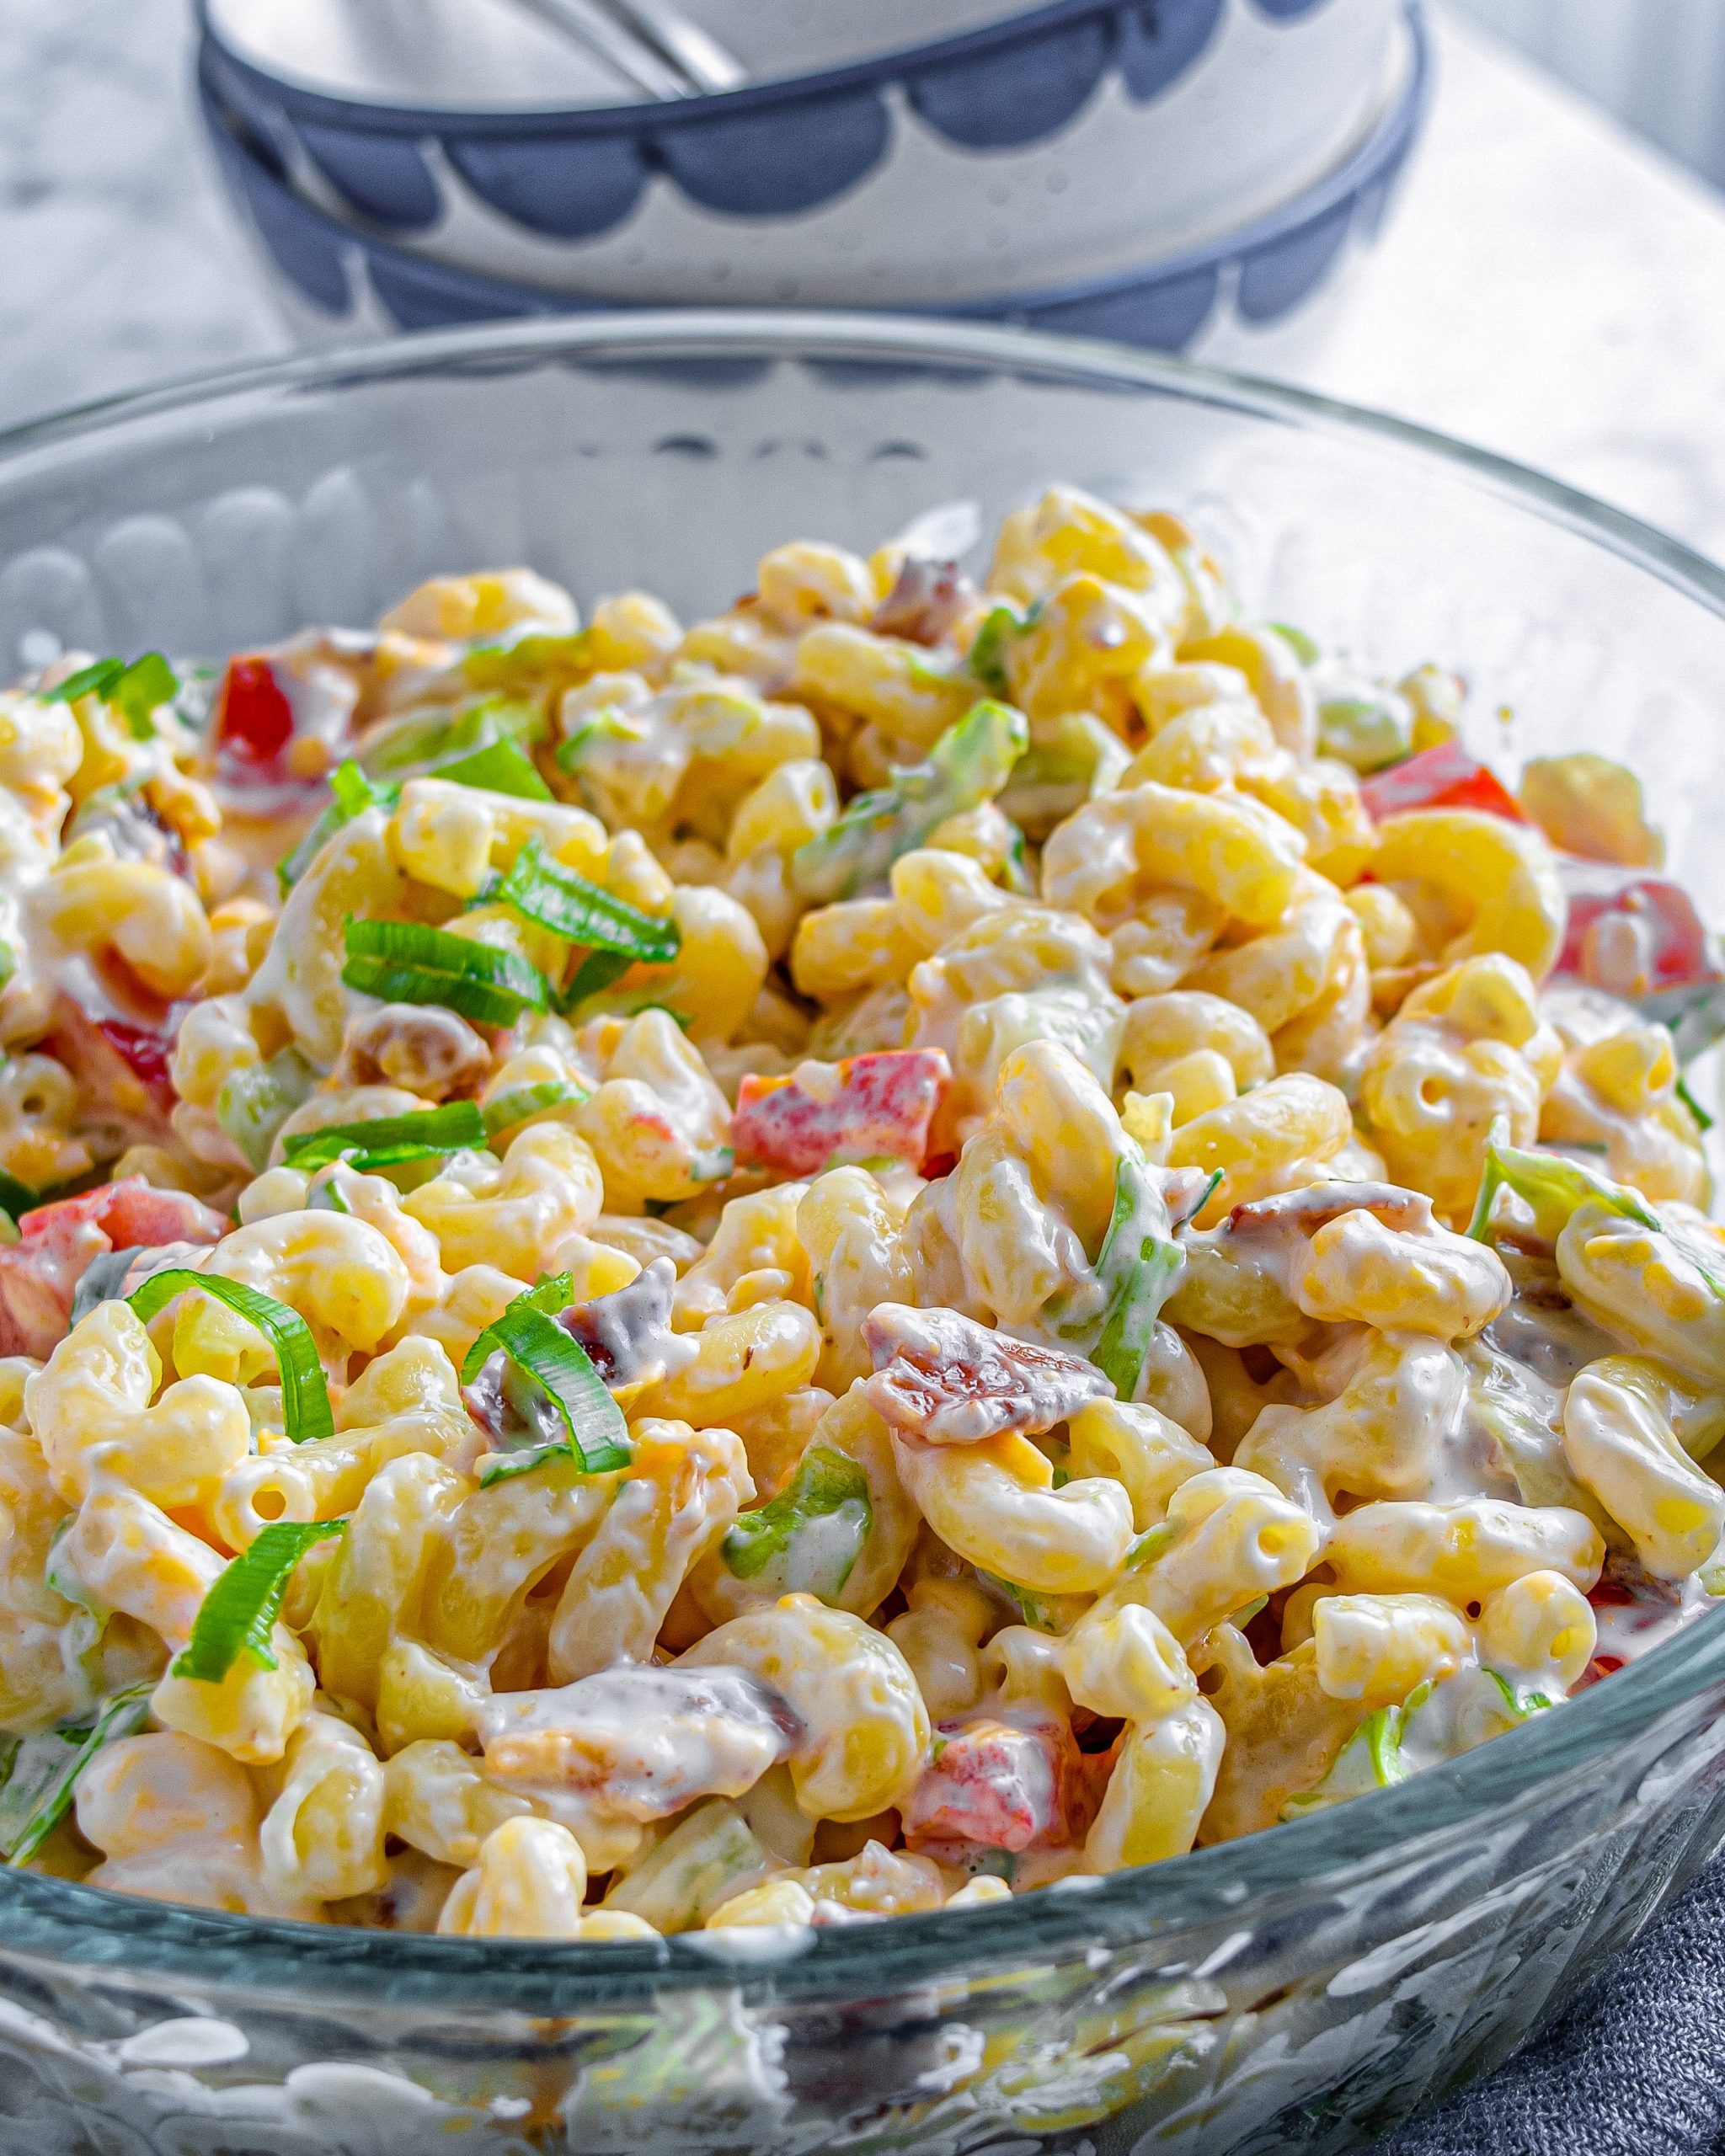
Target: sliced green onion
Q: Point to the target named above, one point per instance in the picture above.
(551, 1294)
(521, 1101)
(1304, 649)
(8, 962)
(17, 1198)
(256, 1100)
(1554, 1186)
(1033, 1608)
(421, 743)
(305, 1393)
(352, 793)
(1703, 1122)
(986, 659)
(598, 971)
(1519, 1704)
(1150, 1545)
(555, 898)
(494, 766)
(967, 765)
(39, 1775)
(63, 1578)
(94, 679)
(1371, 1758)
(458, 1127)
(237, 1614)
(134, 691)
(597, 1434)
(499, 767)
(1140, 1267)
(810, 1536)
(529, 661)
(405, 962)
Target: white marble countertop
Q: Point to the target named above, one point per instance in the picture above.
(1547, 286)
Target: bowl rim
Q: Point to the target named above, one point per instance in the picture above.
(1376, 159)
(1255, 1877)
(322, 108)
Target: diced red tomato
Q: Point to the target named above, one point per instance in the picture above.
(39, 1274)
(121, 1067)
(868, 1107)
(1602, 1665)
(1445, 776)
(1632, 933)
(254, 718)
(996, 1784)
(145, 1053)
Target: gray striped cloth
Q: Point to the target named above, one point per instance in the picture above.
(1635, 2068)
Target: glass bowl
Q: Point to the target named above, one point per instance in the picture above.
(1305, 1987)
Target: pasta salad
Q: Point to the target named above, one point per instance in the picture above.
(931, 1236)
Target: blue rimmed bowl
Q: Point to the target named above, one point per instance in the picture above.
(1068, 145)
(1221, 297)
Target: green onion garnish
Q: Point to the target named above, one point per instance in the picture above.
(16, 1199)
(387, 1140)
(1703, 1121)
(352, 793)
(1553, 1185)
(521, 1101)
(38, 1774)
(986, 659)
(554, 897)
(968, 765)
(257, 1099)
(598, 971)
(811, 1533)
(245, 1600)
(498, 768)
(1140, 1267)
(404, 962)
(598, 1436)
(529, 663)
(551, 1294)
(305, 1393)
(134, 691)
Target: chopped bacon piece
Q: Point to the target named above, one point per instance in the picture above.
(1444, 777)
(1316, 1206)
(872, 1107)
(950, 1381)
(996, 1784)
(39, 1274)
(1632, 933)
(253, 718)
(924, 604)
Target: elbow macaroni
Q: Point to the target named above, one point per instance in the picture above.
(1015, 1372)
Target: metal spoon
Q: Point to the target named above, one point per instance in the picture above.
(649, 43)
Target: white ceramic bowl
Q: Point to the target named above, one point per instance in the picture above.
(494, 55)
(1259, 296)
(1063, 148)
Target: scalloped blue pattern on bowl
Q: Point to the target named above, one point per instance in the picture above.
(1266, 268)
(771, 149)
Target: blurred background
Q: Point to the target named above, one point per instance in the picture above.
(1498, 217)
(1657, 64)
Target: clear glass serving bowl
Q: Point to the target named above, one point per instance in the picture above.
(1303, 1988)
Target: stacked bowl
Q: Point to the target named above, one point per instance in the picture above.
(1191, 175)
